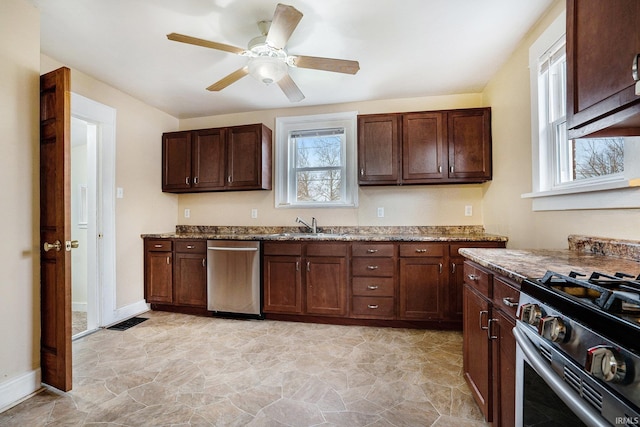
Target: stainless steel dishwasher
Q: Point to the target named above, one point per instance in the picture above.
(233, 277)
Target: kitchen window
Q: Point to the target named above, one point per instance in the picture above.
(572, 174)
(316, 161)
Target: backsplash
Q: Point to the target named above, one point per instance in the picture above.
(404, 230)
(627, 249)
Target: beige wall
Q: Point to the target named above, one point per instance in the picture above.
(19, 253)
(408, 205)
(144, 208)
(505, 212)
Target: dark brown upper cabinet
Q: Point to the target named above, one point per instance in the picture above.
(219, 159)
(431, 147)
(603, 39)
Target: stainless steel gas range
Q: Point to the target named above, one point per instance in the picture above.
(578, 350)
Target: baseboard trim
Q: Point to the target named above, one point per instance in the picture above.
(126, 312)
(19, 388)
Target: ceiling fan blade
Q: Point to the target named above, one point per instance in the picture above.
(228, 80)
(285, 20)
(290, 89)
(204, 43)
(326, 64)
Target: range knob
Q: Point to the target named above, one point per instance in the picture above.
(530, 313)
(552, 328)
(606, 363)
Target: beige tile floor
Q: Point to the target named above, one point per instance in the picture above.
(180, 370)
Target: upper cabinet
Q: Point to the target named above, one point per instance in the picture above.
(434, 147)
(234, 158)
(603, 41)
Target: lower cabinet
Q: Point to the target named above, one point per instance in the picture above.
(489, 348)
(373, 278)
(175, 272)
(305, 278)
(422, 281)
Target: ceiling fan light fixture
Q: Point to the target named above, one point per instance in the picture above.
(267, 69)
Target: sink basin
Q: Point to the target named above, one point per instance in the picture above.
(308, 235)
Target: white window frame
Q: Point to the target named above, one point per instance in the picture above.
(616, 191)
(285, 182)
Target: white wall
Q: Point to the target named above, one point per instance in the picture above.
(505, 212)
(19, 253)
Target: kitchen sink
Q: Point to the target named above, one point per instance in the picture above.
(309, 235)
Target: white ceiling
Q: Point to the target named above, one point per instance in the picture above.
(406, 48)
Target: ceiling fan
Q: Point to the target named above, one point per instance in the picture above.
(268, 59)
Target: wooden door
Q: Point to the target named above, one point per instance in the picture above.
(421, 286)
(379, 149)
(504, 370)
(159, 277)
(469, 135)
(326, 285)
(190, 284)
(55, 228)
(282, 284)
(176, 161)
(244, 157)
(209, 159)
(423, 154)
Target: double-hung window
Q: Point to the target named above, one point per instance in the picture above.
(315, 161)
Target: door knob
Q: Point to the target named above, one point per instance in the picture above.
(71, 244)
(55, 245)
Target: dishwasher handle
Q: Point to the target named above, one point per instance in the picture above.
(222, 248)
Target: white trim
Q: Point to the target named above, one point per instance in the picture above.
(625, 195)
(19, 388)
(128, 311)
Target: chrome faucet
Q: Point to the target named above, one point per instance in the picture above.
(314, 224)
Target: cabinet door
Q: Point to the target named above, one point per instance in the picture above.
(421, 288)
(209, 159)
(282, 284)
(158, 277)
(244, 157)
(176, 161)
(504, 370)
(423, 139)
(326, 285)
(378, 149)
(476, 350)
(469, 135)
(456, 288)
(603, 38)
(190, 279)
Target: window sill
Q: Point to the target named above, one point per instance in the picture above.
(611, 195)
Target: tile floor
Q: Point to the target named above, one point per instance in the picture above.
(180, 370)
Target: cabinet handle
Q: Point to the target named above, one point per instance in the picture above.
(489, 329)
(372, 267)
(482, 314)
(421, 251)
(372, 251)
(157, 246)
(451, 169)
(373, 306)
(440, 268)
(453, 268)
(308, 265)
(473, 277)
(509, 302)
(168, 260)
(186, 180)
(229, 179)
(204, 262)
(297, 266)
(635, 67)
(190, 246)
(362, 172)
(195, 180)
(372, 287)
(439, 169)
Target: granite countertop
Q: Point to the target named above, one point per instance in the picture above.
(584, 255)
(347, 234)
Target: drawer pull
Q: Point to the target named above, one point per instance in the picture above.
(421, 251)
(204, 262)
(157, 246)
(473, 277)
(168, 260)
(372, 287)
(484, 313)
(372, 306)
(190, 246)
(509, 302)
(490, 334)
(372, 251)
(372, 267)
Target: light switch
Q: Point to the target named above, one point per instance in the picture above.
(468, 210)
(380, 212)
(187, 213)
(254, 213)
(120, 192)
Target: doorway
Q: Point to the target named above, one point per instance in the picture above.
(92, 214)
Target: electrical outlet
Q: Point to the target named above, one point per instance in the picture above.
(468, 210)
(380, 212)
(254, 213)
(119, 192)
(187, 213)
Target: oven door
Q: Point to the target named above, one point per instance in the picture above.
(542, 396)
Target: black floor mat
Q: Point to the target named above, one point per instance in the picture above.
(123, 326)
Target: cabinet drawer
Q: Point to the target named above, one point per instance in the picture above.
(505, 297)
(273, 248)
(372, 307)
(372, 250)
(478, 279)
(159, 245)
(378, 267)
(421, 250)
(372, 286)
(195, 246)
(326, 249)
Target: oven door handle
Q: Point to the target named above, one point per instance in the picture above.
(579, 407)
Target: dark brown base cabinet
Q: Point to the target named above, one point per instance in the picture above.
(219, 159)
(430, 147)
(176, 274)
(489, 348)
